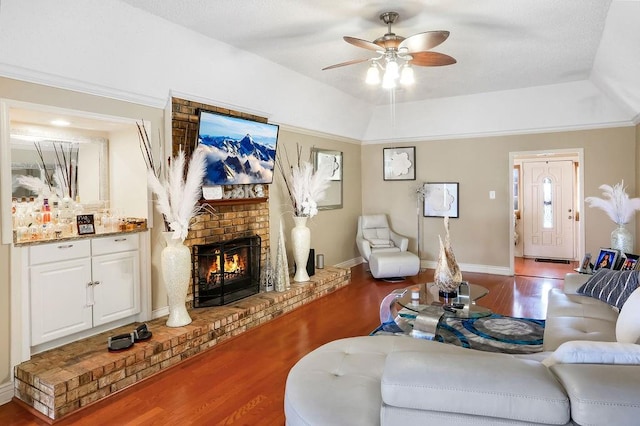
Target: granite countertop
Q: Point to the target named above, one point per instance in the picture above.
(75, 237)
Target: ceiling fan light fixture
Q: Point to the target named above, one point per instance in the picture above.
(407, 77)
(398, 54)
(392, 69)
(373, 74)
(388, 81)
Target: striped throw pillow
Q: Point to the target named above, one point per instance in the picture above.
(612, 287)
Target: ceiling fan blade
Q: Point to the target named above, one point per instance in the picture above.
(362, 43)
(424, 41)
(344, 64)
(431, 59)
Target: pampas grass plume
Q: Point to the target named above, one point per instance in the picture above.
(616, 203)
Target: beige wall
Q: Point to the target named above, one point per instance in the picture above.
(481, 235)
(332, 231)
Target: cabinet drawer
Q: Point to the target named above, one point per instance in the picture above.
(64, 250)
(124, 242)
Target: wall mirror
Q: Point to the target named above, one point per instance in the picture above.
(72, 162)
(332, 160)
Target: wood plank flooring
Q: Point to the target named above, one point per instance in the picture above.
(241, 381)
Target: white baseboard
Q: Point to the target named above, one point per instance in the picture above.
(349, 263)
(160, 312)
(6, 392)
(431, 264)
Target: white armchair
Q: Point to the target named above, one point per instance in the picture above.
(374, 235)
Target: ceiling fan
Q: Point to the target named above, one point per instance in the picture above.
(396, 54)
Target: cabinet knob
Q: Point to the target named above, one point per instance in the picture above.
(96, 282)
(65, 247)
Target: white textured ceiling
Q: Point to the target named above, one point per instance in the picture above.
(499, 44)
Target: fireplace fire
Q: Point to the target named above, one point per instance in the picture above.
(225, 272)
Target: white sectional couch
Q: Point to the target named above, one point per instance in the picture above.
(589, 374)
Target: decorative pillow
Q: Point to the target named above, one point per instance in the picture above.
(628, 323)
(377, 242)
(585, 352)
(612, 287)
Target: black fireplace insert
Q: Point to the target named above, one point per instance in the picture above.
(225, 272)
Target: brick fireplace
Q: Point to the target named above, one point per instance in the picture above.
(232, 219)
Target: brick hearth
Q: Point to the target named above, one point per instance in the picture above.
(61, 381)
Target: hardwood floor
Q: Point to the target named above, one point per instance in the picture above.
(241, 381)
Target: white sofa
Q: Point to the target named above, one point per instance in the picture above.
(589, 374)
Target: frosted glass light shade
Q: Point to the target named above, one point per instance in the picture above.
(406, 76)
(373, 75)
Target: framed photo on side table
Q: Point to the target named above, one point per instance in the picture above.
(399, 163)
(630, 262)
(441, 199)
(585, 266)
(606, 259)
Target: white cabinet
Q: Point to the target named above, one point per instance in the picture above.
(79, 285)
(115, 286)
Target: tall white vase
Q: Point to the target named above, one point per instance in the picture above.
(622, 239)
(176, 271)
(301, 241)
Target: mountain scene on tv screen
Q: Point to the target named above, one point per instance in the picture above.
(237, 161)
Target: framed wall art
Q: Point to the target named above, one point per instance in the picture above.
(399, 163)
(441, 199)
(331, 160)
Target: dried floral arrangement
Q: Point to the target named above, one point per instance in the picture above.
(61, 181)
(304, 186)
(177, 196)
(616, 203)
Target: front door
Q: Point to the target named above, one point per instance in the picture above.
(548, 211)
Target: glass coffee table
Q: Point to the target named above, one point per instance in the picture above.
(417, 309)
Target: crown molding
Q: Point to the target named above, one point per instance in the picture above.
(624, 123)
(318, 134)
(38, 77)
(216, 103)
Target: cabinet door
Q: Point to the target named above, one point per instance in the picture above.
(116, 286)
(60, 299)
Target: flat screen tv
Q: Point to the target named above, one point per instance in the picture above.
(239, 151)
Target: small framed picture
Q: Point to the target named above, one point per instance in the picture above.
(399, 163)
(606, 259)
(85, 224)
(630, 262)
(585, 265)
(441, 199)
